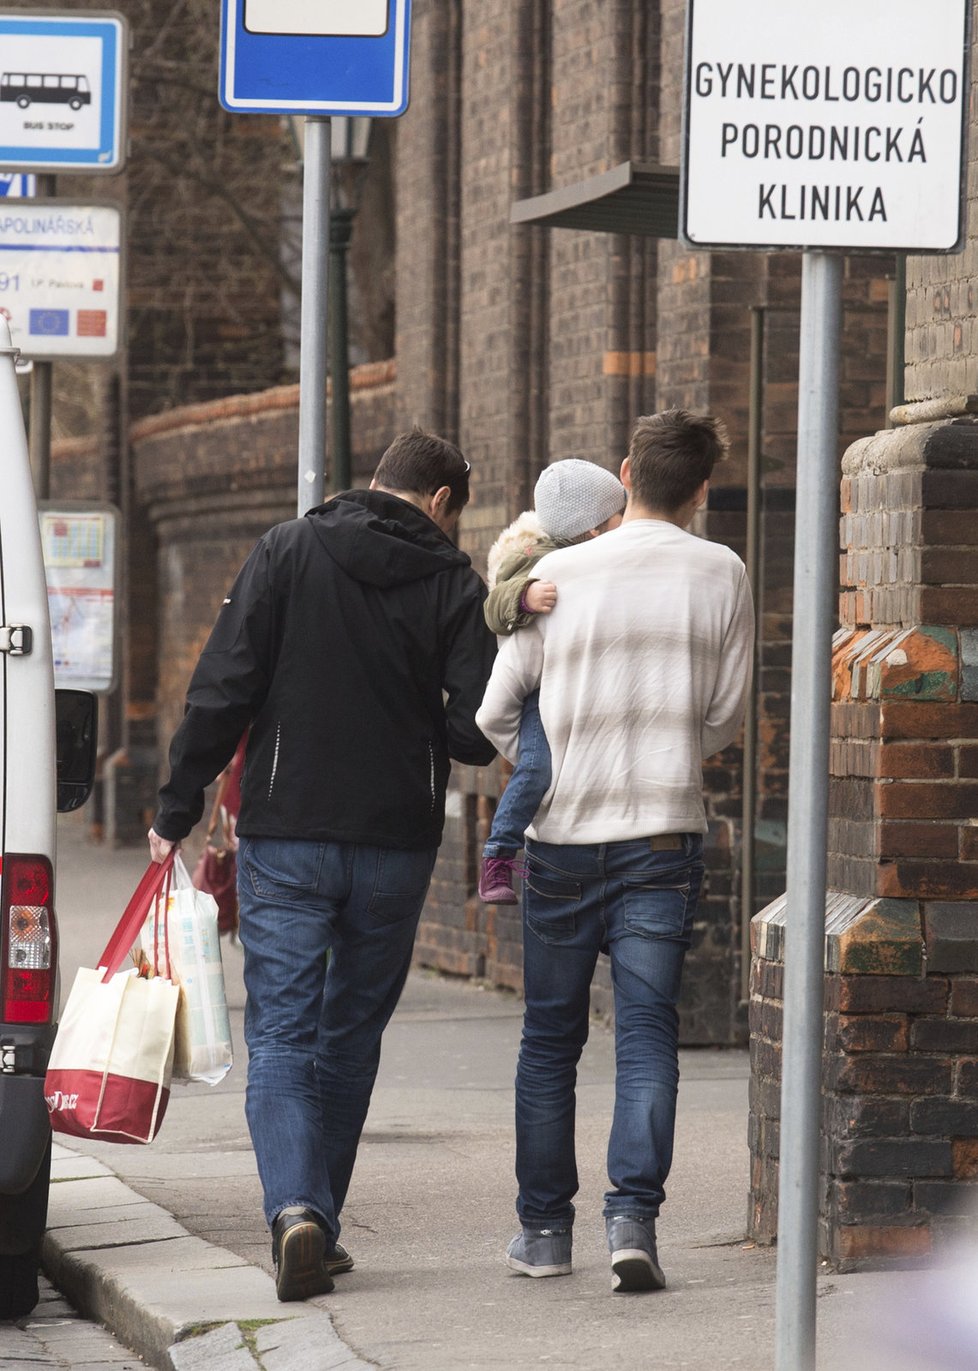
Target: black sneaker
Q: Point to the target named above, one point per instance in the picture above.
(299, 1254)
(634, 1259)
(338, 1261)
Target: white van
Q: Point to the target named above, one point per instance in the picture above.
(47, 762)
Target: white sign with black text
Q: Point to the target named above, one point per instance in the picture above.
(60, 277)
(831, 125)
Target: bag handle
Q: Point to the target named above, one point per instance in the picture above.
(151, 883)
(217, 809)
(161, 914)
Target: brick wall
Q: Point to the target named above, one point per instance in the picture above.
(900, 1052)
(942, 302)
(428, 149)
(203, 192)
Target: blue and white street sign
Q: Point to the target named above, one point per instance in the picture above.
(16, 186)
(61, 278)
(315, 57)
(61, 91)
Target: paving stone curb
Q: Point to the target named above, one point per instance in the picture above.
(179, 1302)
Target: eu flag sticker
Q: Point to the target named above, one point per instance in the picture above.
(49, 323)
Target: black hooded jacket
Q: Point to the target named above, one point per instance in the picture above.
(353, 642)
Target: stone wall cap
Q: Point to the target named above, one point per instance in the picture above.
(369, 376)
(942, 442)
(941, 407)
(863, 935)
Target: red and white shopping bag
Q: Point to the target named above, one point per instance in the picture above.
(109, 1072)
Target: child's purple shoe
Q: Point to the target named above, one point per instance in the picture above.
(496, 881)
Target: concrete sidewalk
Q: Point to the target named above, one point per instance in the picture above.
(167, 1246)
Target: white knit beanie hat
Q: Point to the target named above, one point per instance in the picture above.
(573, 496)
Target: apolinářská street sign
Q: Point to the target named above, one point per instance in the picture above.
(62, 88)
(345, 57)
(836, 124)
(60, 277)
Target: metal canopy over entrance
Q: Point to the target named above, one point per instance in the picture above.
(634, 197)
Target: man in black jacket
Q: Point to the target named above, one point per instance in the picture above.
(354, 646)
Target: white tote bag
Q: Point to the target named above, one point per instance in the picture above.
(109, 1072)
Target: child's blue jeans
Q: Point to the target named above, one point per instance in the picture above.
(526, 787)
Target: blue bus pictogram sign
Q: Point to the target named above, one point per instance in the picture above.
(62, 89)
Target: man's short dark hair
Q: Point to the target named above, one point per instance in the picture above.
(671, 455)
(422, 463)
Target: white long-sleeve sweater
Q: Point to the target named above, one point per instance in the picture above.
(643, 668)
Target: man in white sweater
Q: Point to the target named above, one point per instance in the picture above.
(643, 668)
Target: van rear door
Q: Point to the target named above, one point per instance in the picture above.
(28, 806)
(27, 732)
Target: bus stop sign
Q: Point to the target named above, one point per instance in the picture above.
(62, 88)
(315, 57)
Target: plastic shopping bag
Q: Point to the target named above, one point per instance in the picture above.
(189, 948)
(109, 1072)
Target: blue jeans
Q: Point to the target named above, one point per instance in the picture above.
(327, 931)
(526, 787)
(637, 905)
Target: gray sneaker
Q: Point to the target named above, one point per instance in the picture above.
(634, 1260)
(541, 1252)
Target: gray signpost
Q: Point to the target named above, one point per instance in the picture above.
(318, 58)
(829, 128)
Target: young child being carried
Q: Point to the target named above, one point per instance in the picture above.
(573, 500)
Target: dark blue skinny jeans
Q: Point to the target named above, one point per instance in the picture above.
(636, 904)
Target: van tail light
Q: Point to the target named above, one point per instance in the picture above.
(28, 940)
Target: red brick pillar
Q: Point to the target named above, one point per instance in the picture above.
(900, 1059)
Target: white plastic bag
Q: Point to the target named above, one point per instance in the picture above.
(192, 946)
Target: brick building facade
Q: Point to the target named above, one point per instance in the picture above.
(528, 344)
(532, 344)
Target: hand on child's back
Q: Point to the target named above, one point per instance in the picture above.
(540, 596)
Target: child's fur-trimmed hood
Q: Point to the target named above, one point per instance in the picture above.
(522, 538)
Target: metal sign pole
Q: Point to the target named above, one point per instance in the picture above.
(312, 333)
(816, 542)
